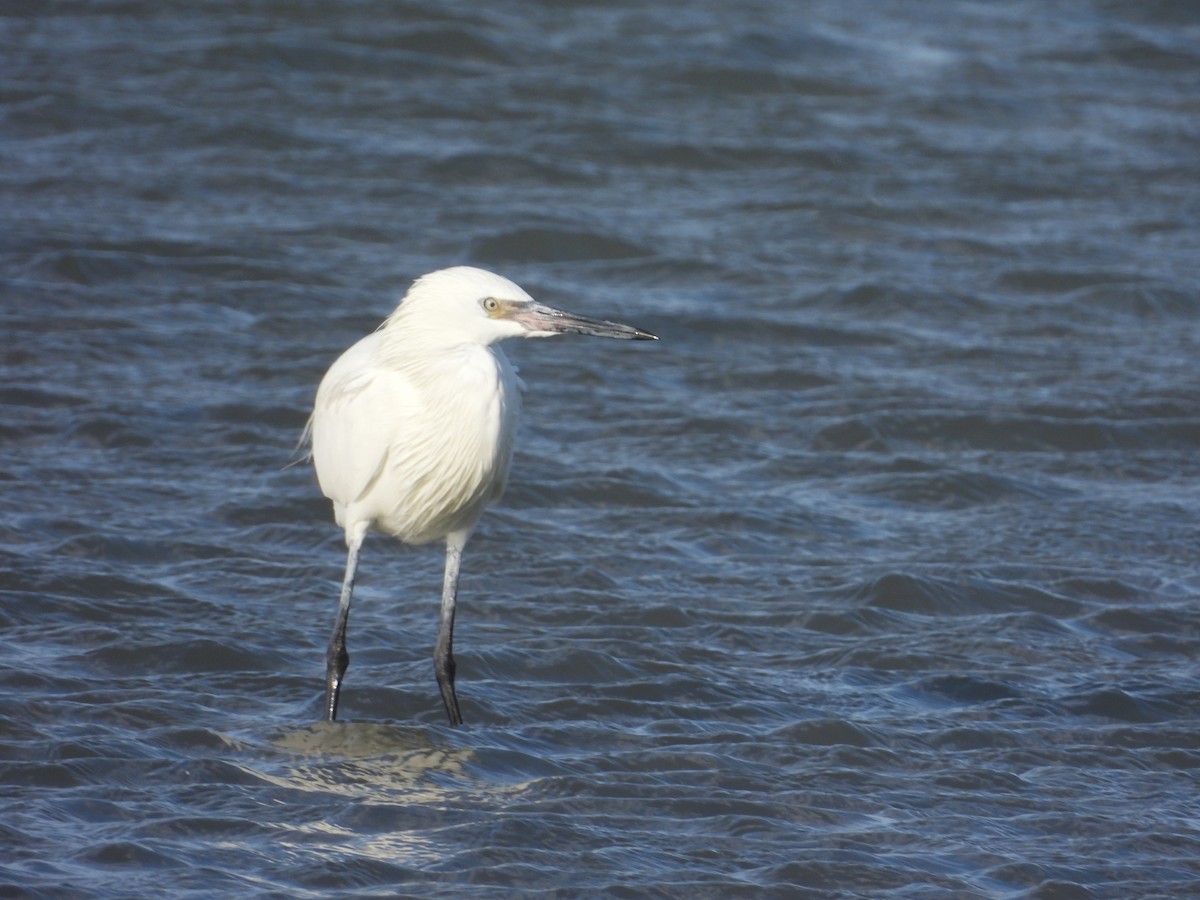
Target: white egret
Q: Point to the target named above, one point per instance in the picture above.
(412, 430)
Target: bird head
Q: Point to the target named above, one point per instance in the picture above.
(465, 304)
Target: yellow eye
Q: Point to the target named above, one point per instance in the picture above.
(491, 304)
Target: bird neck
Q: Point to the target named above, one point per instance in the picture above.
(431, 353)
(411, 329)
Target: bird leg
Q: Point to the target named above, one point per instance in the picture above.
(336, 658)
(443, 652)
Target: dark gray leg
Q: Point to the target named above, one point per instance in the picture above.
(337, 659)
(443, 652)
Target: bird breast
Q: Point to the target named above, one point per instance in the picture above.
(429, 440)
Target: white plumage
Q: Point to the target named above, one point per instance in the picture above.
(412, 444)
(413, 427)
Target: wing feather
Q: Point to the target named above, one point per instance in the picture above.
(356, 421)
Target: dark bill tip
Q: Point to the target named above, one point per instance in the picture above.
(546, 320)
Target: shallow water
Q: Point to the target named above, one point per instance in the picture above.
(876, 576)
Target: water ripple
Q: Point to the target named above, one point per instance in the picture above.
(874, 578)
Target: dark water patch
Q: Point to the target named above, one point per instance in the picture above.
(784, 379)
(975, 738)
(953, 490)
(110, 432)
(203, 828)
(197, 655)
(560, 486)
(679, 275)
(826, 732)
(1118, 704)
(966, 689)
(92, 594)
(858, 436)
(130, 549)
(1151, 619)
(39, 397)
(241, 413)
(488, 168)
(1141, 299)
(55, 776)
(553, 661)
(456, 44)
(1138, 50)
(730, 79)
(890, 300)
(862, 621)
(1057, 281)
(1007, 432)
(751, 329)
(528, 245)
(625, 488)
(925, 595)
(126, 854)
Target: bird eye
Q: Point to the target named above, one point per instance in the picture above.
(491, 304)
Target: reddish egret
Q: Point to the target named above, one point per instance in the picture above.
(412, 430)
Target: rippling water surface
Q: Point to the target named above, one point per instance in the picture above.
(877, 576)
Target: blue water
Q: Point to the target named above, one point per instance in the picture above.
(875, 577)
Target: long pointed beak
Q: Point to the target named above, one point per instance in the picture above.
(543, 321)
